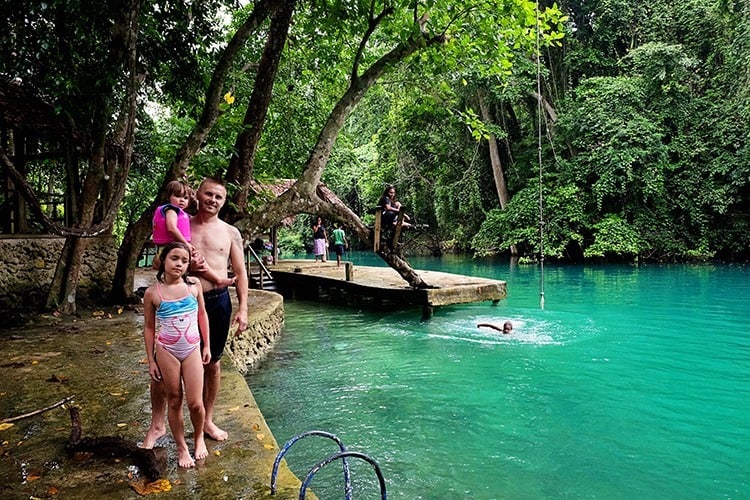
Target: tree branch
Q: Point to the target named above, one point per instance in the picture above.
(36, 412)
(372, 24)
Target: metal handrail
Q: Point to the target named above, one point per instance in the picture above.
(260, 262)
(288, 444)
(343, 456)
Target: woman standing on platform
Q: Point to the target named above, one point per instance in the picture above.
(320, 240)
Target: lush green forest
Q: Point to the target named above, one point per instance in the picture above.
(607, 130)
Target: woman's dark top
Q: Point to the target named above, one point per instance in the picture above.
(388, 217)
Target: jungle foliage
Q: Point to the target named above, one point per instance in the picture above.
(638, 112)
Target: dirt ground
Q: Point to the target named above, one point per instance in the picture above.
(98, 361)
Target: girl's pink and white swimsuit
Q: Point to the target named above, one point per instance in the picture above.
(178, 324)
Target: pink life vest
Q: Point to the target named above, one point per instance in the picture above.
(160, 234)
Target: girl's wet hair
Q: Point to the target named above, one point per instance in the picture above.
(163, 256)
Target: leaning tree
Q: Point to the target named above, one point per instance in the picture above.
(373, 38)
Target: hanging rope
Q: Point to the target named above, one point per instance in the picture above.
(539, 156)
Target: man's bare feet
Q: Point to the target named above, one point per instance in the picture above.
(152, 436)
(183, 457)
(200, 448)
(210, 429)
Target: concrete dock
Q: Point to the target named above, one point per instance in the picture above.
(98, 358)
(381, 287)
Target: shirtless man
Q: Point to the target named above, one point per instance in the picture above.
(218, 243)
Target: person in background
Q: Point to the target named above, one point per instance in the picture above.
(320, 240)
(339, 243)
(390, 208)
(506, 329)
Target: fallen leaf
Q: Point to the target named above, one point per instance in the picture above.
(33, 476)
(109, 342)
(230, 410)
(57, 378)
(119, 310)
(35, 362)
(52, 490)
(217, 453)
(260, 437)
(6, 425)
(115, 394)
(144, 488)
(268, 446)
(256, 427)
(98, 313)
(122, 425)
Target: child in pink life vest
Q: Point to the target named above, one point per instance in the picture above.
(171, 223)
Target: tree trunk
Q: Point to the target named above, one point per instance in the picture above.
(127, 259)
(64, 288)
(139, 231)
(241, 165)
(109, 164)
(497, 166)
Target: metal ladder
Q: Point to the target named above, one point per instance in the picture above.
(343, 454)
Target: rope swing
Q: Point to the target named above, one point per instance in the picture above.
(539, 157)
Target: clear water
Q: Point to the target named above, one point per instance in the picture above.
(629, 383)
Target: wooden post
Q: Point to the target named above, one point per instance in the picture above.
(426, 312)
(378, 215)
(274, 245)
(397, 231)
(248, 259)
(349, 267)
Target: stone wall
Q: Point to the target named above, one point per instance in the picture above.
(265, 319)
(27, 267)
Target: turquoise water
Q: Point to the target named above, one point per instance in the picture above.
(630, 382)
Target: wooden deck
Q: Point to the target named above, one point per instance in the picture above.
(381, 287)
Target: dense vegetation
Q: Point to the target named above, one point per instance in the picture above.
(628, 140)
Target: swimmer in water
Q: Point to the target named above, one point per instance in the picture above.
(506, 329)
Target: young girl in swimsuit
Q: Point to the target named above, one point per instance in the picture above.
(177, 353)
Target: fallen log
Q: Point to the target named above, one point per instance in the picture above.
(112, 447)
